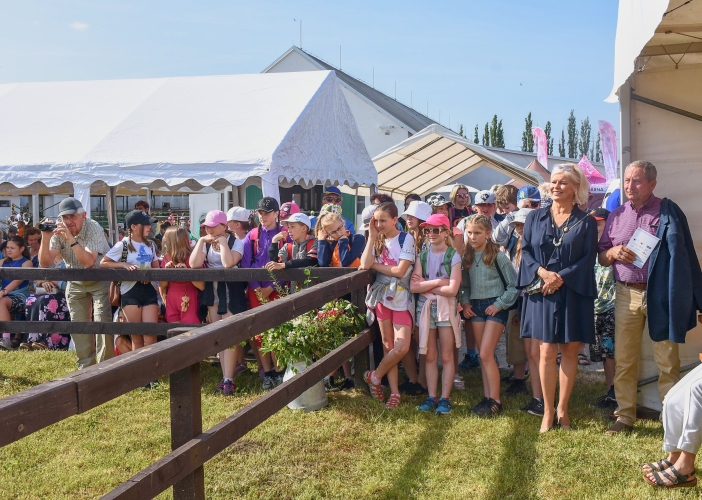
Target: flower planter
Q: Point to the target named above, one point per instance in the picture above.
(313, 398)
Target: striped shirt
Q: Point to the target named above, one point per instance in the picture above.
(621, 225)
(91, 237)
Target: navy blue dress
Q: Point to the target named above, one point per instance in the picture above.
(567, 315)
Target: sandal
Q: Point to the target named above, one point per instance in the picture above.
(582, 360)
(393, 402)
(659, 466)
(376, 390)
(675, 479)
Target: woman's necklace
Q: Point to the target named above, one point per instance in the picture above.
(557, 242)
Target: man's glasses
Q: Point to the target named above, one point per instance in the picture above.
(337, 230)
(435, 230)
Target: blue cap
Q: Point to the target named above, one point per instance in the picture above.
(528, 192)
(332, 189)
(613, 200)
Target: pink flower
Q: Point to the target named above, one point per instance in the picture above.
(52, 305)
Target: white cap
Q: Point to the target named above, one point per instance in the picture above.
(239, 214)
(521, 215)
(418, 209)
(299, 217)
(484, 197)
(367, 215)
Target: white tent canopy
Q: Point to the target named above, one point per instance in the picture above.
(183, 133)
(434, 157)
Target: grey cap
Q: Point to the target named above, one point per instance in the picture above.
(69, 206)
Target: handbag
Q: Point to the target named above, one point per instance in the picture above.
(115, 293)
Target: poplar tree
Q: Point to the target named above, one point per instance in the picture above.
(572, 136)
(549, 139)
(486, 136)
(493, 131)
(499, 136)
(476, 139)
(598, 149)
(527, 137)
(460, 131)
(561, 145)
(585, 133)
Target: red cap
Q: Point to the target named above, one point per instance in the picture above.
(436, 220)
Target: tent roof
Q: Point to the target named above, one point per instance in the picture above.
(183, 133)
(534, 166)
(655, 33)
(435, 157)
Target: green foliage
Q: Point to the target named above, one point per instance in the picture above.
(486, 135)
(476, 139)
(584, 142)
(572, 136)
(460, 131)
(527, 137)
(313, 334)
(598, 149)
(499, 136)
(493, 130)
(561, 145)
(549, 139)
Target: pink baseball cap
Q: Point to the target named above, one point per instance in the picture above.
(215, 218)
(436, 220)
(287, 209)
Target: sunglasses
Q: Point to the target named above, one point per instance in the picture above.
(435, 230)
(463, 196)
(565, 168)
(333, 199)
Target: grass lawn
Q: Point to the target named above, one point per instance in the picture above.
(352, 449)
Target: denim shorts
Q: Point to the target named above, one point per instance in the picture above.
(433, 324)
(141, 294)
(479, 306)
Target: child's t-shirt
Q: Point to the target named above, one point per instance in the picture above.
(214, 257)
(435, 268)
(399, 299)
(143, 257)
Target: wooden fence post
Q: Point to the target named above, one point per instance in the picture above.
(361, 361)
(186, 424)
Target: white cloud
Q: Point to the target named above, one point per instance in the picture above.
(78, 26)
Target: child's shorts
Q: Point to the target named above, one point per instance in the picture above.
(603, 348)
(141, 295)
(403, 318)
(479, 306)
(433, 324)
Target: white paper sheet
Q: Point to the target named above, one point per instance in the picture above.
(642, 244)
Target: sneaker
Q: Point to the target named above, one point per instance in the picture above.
(412, 389)
(25, 346)
(458, 382)
(609, 400)
(151, 385)
(6, 344)
(429, 404)
(516, 387)
(443, 407)
(469, 362)
(347, 384)
(39, 346)
(534, 407)
(240, 368)
(228, 388)
(268, 383)
(278, 379)
(490, 409)
(477, 407)
(329, 385)
(219, 388)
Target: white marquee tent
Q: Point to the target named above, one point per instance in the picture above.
(181, 133)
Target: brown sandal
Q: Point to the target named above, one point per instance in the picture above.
(659, 466)
(676, 480)
(393, 402)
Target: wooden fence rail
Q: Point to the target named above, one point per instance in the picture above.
(38, 407)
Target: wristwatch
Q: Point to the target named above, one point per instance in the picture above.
(74, 243)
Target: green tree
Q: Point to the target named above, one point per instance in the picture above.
(585, 133)
(476, 139)
(499, 136)
(561, 146)
(527, 137)
(493, 131)
(549, 139)
(572, 136)
(486, 135)
(460, 131)
(598, 149)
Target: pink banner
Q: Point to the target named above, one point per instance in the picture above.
(593, 176)
(541, 147)
(608, 140)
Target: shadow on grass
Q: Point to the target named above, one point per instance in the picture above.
(515, 471)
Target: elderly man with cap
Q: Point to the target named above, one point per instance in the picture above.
(664, 291)
(81, 243)
(332, 195)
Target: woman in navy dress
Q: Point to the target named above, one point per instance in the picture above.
(560, 247)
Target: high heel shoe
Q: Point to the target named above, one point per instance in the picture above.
(554, 427)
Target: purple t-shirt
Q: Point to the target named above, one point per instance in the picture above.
(621, 225)
(249, 260)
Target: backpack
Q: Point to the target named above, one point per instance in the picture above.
(115, 293)
(504, 283)
(289, 248)
(448, 257)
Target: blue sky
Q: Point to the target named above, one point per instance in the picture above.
(468, 59)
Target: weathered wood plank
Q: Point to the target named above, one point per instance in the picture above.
(91, 327)
(179, 463)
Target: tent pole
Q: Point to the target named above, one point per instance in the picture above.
(35, 209)
(111, 207)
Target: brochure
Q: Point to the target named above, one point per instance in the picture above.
(642, 244)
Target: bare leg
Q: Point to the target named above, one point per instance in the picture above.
(569, 370)
(432, 364)
(478, 328)
(346, 365)
(422, 378)
(548, 371)
(488, 341)
(448, 360)
(533, 348)
(520, 371)
(395, 345)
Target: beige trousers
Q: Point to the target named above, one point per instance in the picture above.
(516, 350)
(629, 325)
(82, 298)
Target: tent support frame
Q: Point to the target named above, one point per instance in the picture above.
(667, 107)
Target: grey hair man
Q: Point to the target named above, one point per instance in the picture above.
(81, 243)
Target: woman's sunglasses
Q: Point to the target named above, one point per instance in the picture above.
(462, 195)
(435, 230)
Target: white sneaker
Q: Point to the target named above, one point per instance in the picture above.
(5, 344)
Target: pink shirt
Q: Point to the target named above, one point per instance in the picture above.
(621, 225)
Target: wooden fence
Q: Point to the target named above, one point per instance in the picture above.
(179, 357)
